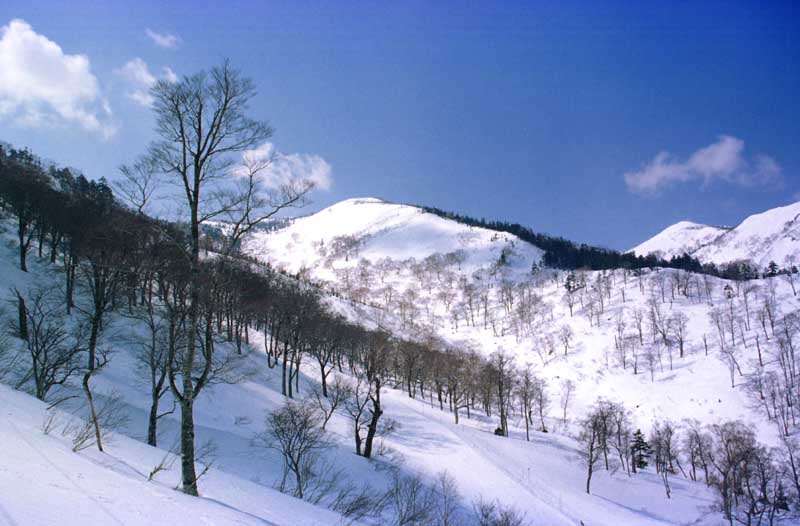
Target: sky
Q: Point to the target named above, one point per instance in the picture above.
(603, 122)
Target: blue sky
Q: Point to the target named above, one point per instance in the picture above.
(599, 121)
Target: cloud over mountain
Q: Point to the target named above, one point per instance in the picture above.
(723, 160)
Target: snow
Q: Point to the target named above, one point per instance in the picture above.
(42, 481)
(773, 235)
(682, 237)
(384, 230)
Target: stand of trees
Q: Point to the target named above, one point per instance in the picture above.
(114, 259)
(564, 254)
(192, 292)
(754, 484)
(125, 262)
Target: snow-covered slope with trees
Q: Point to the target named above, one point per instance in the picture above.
(773, 235)
(681, 238)
(52, 473)
(492, 376)
(603, 336)
(373, 229)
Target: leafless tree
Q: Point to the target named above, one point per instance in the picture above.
(138, 184)
(295, 431)
(677, 325)
(493, 513)
(410, 500)
(203, 131)
(565, 334)
(447, 511)
(567, 390)
(339, 392)
(590, 437)
(53, 349)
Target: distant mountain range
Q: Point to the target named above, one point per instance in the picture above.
(773, 235)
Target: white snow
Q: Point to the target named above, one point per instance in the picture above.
(682, 237)
(383, 229)
(773, 235)
(43, 482)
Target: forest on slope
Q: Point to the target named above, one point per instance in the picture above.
(199, 306)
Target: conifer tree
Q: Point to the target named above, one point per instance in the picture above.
(640, 450)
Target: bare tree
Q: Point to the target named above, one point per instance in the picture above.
(447, 506)
(53, 350)
(339, 392)
(203, 130)
(502, 367)
(110, 415)
(356, 408)
(677, 325)
(411, 502)
(493, 513)
(138, 184)
(567, 390)
(591, 446)
(565, 333)
(295, 431)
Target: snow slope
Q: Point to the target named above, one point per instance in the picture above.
(378, 229)
(682, 237)
(773, 235)
(42, 481)
(695, 386)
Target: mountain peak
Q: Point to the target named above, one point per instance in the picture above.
(772, 235)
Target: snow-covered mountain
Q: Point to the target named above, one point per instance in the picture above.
(373, 229)
(682, 237)
(44, 481)
(773, 235)
(396, 274)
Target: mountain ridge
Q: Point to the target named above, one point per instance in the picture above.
(769, 236)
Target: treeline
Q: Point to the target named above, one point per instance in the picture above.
(564, 254)
(753, 484)
(115, 260)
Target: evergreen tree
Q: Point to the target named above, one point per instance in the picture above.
(640, 450)
(772, 269)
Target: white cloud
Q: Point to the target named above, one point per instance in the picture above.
(168, 74)
(284, 168)
(140, 80)
(40, 85)
(723, 160)
(164, 40)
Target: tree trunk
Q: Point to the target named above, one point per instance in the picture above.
(91, 369)
(188, 474)
(92, 412)
(372, 428)
(152, 422)
(23, 317)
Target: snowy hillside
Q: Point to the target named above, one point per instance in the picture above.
(44, 481)
(773, 235)
(669, 347)
(485, 307)
(372, 229)
(681, 238)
